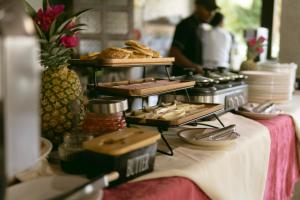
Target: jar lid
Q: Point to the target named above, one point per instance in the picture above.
(108, 105)
(121, 142)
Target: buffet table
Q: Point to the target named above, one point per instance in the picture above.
(262, 164)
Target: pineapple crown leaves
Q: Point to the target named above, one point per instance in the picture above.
(57, 32)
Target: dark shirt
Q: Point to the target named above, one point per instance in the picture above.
(187, 41)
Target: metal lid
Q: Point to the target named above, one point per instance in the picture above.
(108, 105)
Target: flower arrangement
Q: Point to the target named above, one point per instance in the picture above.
(255, 47)
(57, 31)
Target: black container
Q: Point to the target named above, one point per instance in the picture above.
(131, 152)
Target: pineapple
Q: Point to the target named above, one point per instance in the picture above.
(62, 108)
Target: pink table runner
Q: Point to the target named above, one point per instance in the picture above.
(283, 172)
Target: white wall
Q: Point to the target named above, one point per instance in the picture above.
(36, 4)
(290, 33)
(161, 8)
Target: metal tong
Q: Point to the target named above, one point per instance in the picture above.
(263, 107)
(219, 133)
(88, 189)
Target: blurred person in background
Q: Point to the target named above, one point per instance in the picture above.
(217, 44)
(187, 45)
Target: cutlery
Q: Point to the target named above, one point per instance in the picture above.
(219, 132)
(262, 107)
(89, 188)
(225, 135)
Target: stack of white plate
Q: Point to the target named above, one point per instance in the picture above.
(273, 66)
(264, 86)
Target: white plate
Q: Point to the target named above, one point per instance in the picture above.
(253, 115)
(188, 135)
(44, 188)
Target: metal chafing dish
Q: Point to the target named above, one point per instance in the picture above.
(216, 86)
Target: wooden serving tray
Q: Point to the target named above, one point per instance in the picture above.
(130, 62)
(143, 87)
(137, 61)
(197, 114)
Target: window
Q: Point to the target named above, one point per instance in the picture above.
(239, 16)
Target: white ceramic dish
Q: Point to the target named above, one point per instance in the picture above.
(188, 135)
(44, 188)
(41, 167)
(247, 111)
(253, 115)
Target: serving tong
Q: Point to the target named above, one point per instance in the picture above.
(216, 134)
(86, 190)
(263, 107)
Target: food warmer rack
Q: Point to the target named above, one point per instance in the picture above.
(212, 109)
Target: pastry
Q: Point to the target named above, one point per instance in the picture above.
(133, 43)
(115, 53)
(139, 47)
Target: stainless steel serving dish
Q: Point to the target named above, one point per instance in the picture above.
(108, 105)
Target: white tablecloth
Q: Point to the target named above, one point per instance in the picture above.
(236, 172)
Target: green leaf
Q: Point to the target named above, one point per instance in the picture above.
(29, 10)
(45, 5)
(62, 51)
(39, 31)
(62, 26)
(55, 50)
(54, 38)
(45, 54)
(43, 41)
(52, 28)
(72, 32)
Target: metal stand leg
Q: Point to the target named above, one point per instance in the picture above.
(208, 125)
(216, 116)
(144, 71)
(168, 73)
(95, 77)
(124, 115)
(212, 126)
(166, 142)
(187, 95)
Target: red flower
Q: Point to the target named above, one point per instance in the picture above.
(70, 25)
(261, 39)
(69, 41)
(44, 18)
(259, 50)
(251, 42)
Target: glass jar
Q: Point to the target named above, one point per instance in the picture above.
(97, 124)
(71, 152)
(105, 115)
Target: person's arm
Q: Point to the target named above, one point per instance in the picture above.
(182, 60)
